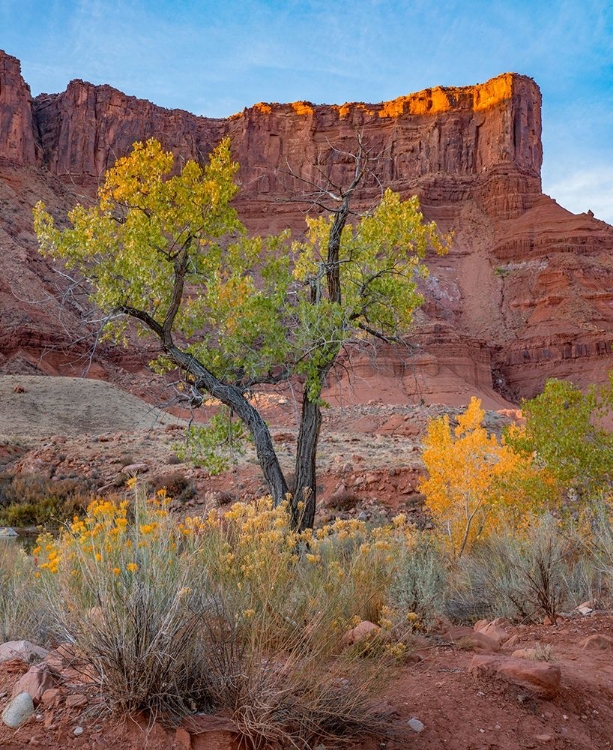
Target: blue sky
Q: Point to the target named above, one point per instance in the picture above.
(214, 58)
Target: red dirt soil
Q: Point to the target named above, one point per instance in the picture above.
(459, 711)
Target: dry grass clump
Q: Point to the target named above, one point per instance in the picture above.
(234, 611)
(23, 613)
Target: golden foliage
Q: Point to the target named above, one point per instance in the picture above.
(475, 480)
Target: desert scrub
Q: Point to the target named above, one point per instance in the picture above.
(594, 534)
(420, 580)
(33, 500)
(523, 574)
(178, 486)
(233, 611)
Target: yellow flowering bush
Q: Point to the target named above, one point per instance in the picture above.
(220, 607)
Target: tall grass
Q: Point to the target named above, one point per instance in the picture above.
(23, 611)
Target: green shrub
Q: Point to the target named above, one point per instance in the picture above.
(420, 580)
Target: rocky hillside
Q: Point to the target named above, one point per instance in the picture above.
(525, 293)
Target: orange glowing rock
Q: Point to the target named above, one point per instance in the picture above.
(302, 108)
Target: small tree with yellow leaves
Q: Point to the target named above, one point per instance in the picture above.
(168, 250)
(473, 479)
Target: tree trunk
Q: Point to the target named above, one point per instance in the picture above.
(310, 421)
(306, 454)
(334, 245)
(232, 397)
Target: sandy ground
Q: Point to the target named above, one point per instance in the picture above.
(32, 406)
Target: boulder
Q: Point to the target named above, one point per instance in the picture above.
(540, 678)
(18, 710)
(24, 650)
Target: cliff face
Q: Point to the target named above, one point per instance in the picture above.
(523, 295)
(17, 136)
(477, 141)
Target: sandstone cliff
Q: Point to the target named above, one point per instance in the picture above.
(523, 295)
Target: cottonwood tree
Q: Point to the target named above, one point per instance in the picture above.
(475, 481)
(235, 312)
(568, 432)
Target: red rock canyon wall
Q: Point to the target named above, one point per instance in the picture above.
(522, 296)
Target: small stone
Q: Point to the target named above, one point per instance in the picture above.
(134, 469)
(49, 719)
(416, 725)
(18, 710)
(362, 631)
(50, 697)
(525, 653)
(494, 631)
(540, 678)
(78, 731)
(598, 641)
(544, 738)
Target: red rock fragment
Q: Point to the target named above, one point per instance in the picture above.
(35, 681)
(540, 678)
